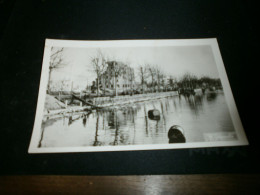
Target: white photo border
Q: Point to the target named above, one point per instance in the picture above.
(212, 42)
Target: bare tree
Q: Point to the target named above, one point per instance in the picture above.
(171, 81)
(118, 69)
(163, 77)
(158, 77)
(143, 75)
(152, 73)
(188, 80)
(124, 72)
(99, 66)
(131, 75)
(56, 61)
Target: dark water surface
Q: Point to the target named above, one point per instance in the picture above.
(203, 118)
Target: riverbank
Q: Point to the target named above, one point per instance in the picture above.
(52, 106)
(100, 102)
(51, 103)
(128, 99)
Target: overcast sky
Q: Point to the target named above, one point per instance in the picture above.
(173, 60)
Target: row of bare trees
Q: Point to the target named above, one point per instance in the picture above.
(155, 79)
(151, 77)
(190, 81)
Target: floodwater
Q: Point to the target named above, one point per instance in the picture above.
(202, 118)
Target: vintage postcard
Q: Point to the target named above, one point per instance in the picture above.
(134, 95)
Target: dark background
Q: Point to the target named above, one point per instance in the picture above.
(24, 26)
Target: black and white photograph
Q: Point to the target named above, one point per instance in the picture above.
(134, 95)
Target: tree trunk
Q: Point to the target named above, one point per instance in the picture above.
(152, 85)
(116, 85)
(143, 86)
(97, 85)
(131, 87)
(104, 86)
(49, 80)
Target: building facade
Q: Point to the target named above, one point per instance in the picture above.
(118, 77)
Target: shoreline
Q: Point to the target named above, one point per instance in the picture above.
(102, 102)
(105, 102)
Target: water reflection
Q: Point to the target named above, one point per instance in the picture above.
(73, 119)
(96, 142)
(201, 116)
(85, 118)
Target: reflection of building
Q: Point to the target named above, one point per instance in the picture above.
(118, 76)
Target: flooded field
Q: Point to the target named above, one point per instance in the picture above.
(202, 117)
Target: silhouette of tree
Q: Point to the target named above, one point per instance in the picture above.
(56, 61)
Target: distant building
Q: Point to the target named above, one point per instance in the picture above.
(118, 76)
